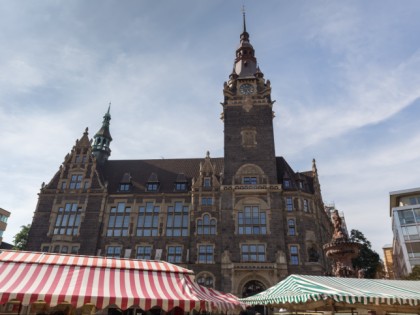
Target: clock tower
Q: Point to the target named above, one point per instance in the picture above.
(248, 121)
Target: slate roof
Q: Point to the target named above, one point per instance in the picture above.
(169, 171)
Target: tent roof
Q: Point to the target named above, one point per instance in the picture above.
(301, 289)
(79, 280)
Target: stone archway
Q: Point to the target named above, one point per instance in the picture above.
(252, 287)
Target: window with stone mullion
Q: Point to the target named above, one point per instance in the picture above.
(148, 220)
(252, 221)
(119, 220)
(205, 254)
(206, 226)
(174, 254)
(68, 220)
(177, 220)
(253, 252)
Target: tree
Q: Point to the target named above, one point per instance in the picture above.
(21, 238)
(415, 273)
(368, 260)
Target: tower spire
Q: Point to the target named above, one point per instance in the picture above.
(102, 139)
(243, 15)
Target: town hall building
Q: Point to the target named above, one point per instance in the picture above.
(242, 222)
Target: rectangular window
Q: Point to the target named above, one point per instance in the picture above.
(249, 181)
(305, 205)
(286, 183)
(119, 220)
(206, 201)
(252, 221)
(294, 255)
(289, 204)
(113, 251)
(253, 252)
(67, 221)
(148, 220)
(152, 186)
(75, 249)
(174, 254)
(291, 227)
(124, 187)
(205, 254)
(207, 182)
(181, 186)
(76, 181)
(144, 252)
(177, 220)
(63, 185)
(406, 216)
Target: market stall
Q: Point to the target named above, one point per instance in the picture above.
(332, 294)
(28, 278)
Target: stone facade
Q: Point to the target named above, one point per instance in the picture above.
(242, 222)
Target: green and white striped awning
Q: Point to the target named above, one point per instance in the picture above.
(299, 289)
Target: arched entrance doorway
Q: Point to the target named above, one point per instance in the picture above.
(253, 287)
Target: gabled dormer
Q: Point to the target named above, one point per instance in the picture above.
(125, 184)
(152, 184)
(207, 179)
(181, 183)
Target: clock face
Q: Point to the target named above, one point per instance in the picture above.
(246, 89)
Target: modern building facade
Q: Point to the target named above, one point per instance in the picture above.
(4, 216)
(242, 222)
(405, 212)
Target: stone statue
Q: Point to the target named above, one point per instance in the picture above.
(338, 230)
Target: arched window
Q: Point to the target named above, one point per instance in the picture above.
(206, 280)
(206, 225)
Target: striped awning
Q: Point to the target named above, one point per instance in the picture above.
(299, 289)
(80, 280)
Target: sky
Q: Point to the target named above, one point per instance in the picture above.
(345, 76)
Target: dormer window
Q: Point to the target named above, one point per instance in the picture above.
(125, 187)
(181, 186)
(152, 186)
(249, 180)
(152, 183)
(207, 182)
(125, 183)
(286, 183)
(181, 182)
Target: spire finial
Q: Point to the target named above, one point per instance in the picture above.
(243, 15)
(109, 107)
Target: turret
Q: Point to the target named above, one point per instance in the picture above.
(102, 140)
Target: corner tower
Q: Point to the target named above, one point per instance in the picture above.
(248, 118)
(102, 139)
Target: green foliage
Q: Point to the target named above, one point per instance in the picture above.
(21, 238)
(368, 260)
(415, 274)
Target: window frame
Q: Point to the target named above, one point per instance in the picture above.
(119, 220)
(148, 220)
(247, 253)
(252, 221)
(174, 254)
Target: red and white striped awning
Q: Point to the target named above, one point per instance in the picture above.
(79, 280)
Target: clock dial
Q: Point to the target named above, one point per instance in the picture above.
(246, 89)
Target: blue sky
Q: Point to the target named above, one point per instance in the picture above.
(345, 76)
